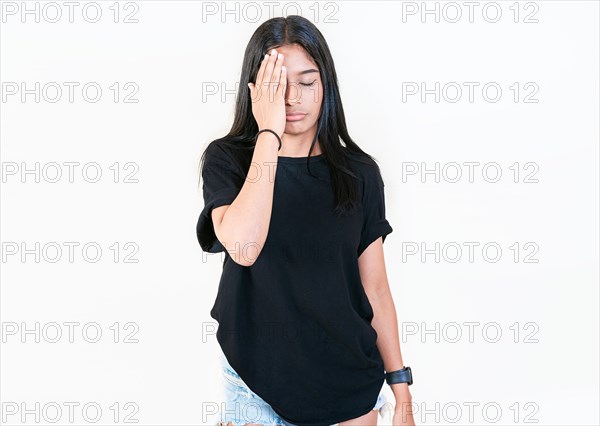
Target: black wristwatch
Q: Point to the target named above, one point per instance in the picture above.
(399, 376)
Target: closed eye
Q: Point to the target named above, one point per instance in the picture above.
(308, 84)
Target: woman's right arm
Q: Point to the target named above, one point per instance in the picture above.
(243, 225)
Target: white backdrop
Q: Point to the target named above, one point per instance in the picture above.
(503, 333)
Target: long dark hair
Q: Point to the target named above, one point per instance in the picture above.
(331, 126)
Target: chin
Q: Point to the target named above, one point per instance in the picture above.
(297, 128)
(290, 129)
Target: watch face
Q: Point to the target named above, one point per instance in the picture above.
(410, 378)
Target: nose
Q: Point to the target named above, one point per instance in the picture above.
(292, 95)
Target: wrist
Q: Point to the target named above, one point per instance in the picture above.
(403, 398)
(270, 138)
(403, 407)
(401, 391)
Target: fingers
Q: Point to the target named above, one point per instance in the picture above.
(283, 82)
(277, 72)
(261, 70)
(268, 75)
(271, 74)
(264, 73)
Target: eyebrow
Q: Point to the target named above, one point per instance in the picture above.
(308, 71)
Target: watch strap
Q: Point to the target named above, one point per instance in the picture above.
(399, 376)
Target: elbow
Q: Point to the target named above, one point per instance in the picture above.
(241, 260)
(243, 245)
(243, 253)
(248, 254)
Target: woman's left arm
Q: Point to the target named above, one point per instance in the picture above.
(373, 275)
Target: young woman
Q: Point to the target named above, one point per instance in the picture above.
(307, 324)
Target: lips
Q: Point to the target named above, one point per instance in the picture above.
(295, 116)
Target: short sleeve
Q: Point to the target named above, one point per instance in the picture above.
(222, 181)
(375, 224)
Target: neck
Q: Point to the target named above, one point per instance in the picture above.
(298, 145)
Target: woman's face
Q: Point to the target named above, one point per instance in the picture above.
(304, 93)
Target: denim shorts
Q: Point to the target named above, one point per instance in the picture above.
(244, 406)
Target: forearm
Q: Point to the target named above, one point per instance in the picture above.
(385, 322)
(246, 220)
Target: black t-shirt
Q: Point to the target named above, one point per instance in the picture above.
(296, 325)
